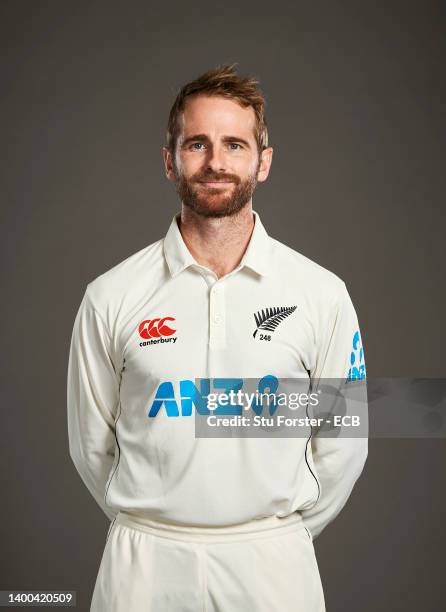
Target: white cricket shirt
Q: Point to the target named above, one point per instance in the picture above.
(160, 318)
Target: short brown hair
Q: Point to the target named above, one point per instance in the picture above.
(221, 81)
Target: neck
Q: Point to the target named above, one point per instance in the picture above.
(218, 243)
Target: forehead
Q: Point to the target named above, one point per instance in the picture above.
(216, 114)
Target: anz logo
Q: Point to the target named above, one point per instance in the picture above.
(357, 366)
(190, 396)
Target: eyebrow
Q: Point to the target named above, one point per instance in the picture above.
(204, 138)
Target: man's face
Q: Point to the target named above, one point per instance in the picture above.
(216, 164)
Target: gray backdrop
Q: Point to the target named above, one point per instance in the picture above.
(355, 104)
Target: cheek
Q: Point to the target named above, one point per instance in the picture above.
(182, 168)
(242, 166)
(189, 164)
(253, 167)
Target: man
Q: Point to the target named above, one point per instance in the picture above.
(206, 523)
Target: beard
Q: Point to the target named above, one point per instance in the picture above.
(212, 201)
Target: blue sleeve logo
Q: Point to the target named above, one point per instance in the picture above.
(357, 366)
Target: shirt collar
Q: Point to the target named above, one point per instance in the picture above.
(257, 255)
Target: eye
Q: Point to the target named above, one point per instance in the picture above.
(196, 144)
(235, 144)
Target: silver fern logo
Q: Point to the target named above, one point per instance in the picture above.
(269, 318)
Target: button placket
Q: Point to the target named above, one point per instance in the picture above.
(217, 333)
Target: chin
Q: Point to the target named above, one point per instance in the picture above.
(217, 209)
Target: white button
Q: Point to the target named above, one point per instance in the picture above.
(217, 319)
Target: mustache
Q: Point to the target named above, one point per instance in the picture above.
(199, 178)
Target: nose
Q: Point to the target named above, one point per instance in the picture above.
(215, 160)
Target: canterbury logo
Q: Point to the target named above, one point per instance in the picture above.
(269, 318)
(155, 328)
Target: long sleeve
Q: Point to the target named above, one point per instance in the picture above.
(340, 365)
(92, 401)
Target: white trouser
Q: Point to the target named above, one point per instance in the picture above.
(266, 565)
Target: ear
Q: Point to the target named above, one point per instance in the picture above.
(266, 159)
(168, 164)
